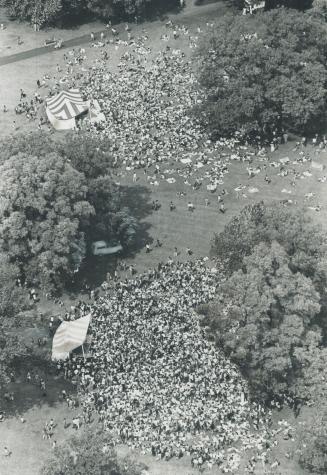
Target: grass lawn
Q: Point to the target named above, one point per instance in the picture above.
(179, 228)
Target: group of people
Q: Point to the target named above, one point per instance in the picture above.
(148, 101)
(156, 381)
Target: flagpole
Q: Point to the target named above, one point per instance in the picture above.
(83, 353)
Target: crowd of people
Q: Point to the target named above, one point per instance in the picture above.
(156, 381)
(148, 101)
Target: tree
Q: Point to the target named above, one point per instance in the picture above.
(43, 12)
(304, 242)
(119, 8)
(80, 169)
(264, 72)
(42, 212)
(264, 313)
(90, 452)
(298, 4)
(93, 158)
(12, 302)
(314, 442)
(35, 143)
(304, 247)
(313, 358)
(319, 9)
(270, 4)
(38, 12)
(50, 12)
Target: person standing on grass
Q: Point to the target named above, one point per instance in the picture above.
(43, 387)
(76, 423)
(6, 452)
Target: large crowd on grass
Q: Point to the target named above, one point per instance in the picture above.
(153, 378)
(157, 383)
(148, 102)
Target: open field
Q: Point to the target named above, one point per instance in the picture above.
(179, 229)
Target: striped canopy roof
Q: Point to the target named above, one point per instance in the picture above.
(70, 335)
(67, 104)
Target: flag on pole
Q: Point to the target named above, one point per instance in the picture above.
(69, 335)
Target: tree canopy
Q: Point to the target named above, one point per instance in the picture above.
(314, 442)
(91, 157)
(270, 316)
(42, 12)
(264, 72)
(50, 12)
(12, 301)
(263, 314)
(269, 4)
(89, 452)
(43, 209)
(55, 200)
(304, 242)
(319, 9)
(298, 4)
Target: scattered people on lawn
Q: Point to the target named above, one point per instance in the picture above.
(139, 134)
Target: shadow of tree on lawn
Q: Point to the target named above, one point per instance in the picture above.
(28, 395)
(138, 199)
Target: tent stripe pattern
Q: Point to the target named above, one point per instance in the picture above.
(67, 104)
(70, 335)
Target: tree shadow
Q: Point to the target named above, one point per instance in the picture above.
(138, 199)
(200, 3)
(28, 395)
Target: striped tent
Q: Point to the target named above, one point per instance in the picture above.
(69, 335)
(62, 109)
